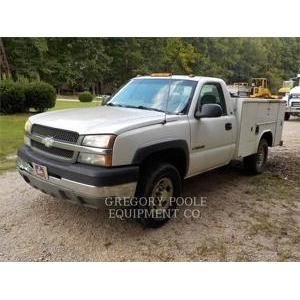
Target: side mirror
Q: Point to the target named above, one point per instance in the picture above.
(105, 100)
(209, 111)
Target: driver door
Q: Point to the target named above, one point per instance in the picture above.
(212, 139)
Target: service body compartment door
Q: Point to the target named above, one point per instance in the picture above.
(279, 125)
(257, 117)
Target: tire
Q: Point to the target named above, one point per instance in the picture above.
(158, 178)
(287, 116)
(256, 163)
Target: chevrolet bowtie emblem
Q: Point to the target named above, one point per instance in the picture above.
(48, 141)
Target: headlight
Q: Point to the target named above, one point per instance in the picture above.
(27, 126)
(27, 140)
(99, 141)
(105, 141)
(95, 159)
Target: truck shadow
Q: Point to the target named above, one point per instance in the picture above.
(214, 180)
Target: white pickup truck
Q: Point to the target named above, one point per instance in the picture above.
(292, 103)
(152, 134)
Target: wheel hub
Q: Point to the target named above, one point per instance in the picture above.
(162, 193)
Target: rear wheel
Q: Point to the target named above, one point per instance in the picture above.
(159, 186)
(287, 116)
(256, 163)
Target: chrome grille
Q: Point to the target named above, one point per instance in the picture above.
(295, 104)
(54, 151)
(60, 135)
(57, 134)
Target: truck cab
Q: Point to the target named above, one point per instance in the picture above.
(152, 134)
(287, 85)
(293, 103)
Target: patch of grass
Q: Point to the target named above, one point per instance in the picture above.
(243, 256)
(286, 167)
(222, 251)
(263, 225)
(7, 165)
(12, 132)
(265, 180)
(70, 104)
(218, 247)
(285, 256)
(202, 250)
(296, 239)
(270, 185)
(11, 137)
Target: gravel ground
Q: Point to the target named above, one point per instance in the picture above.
(245, 219)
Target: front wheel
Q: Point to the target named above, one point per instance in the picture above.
(159, 186)
(256, 163)
(287, 116)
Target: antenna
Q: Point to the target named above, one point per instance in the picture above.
(169, 90)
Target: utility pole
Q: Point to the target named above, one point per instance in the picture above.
(4, 67)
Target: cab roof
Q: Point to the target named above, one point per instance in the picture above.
(180, 77)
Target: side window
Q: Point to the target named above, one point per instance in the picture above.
(212, 93)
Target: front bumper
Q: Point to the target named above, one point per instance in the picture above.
(81, 184)
(293, 110)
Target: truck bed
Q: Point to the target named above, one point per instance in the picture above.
(255, 117)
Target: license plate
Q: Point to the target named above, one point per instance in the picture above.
(40, 171)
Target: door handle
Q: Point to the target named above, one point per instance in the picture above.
(228, 126)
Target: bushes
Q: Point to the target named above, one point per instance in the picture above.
(85, 97)
(18, 97)
(12, 97)
(40, 96)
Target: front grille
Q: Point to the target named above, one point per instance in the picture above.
(57, 134)
(54, 151)
(296, 104)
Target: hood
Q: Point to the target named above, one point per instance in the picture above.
(295, 90)
(98, 120)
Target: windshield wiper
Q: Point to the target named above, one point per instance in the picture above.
(148, 108)
(156, 109)
(136, 107)
(112, 104)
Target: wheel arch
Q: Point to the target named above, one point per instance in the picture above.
(175, 152)
(268, 136)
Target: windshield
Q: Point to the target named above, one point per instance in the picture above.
(294, 96)
(288, 84)
(153, 94)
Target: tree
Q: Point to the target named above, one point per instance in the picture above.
(180, 56)
(83, 63)
(25, 56)
(90, 62)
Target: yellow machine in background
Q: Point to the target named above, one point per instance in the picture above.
(246, 84)
(286, 87)
(259, 89)
(241, 89)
